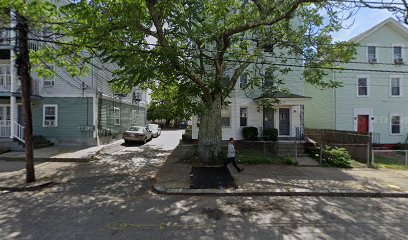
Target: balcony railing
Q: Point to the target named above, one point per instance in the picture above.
(5, 36)
(35, 87)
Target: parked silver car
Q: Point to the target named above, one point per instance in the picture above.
(137, 134)
(156, 130)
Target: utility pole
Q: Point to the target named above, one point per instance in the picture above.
(23, 72)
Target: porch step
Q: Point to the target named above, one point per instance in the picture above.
(11, 144)
(41, 142)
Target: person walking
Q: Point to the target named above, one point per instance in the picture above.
(231, 156)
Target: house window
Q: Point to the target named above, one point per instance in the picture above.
(362, 86)
(243, 117)
(116, 115)
(50, 115)
(395, 86)
(395, 124)
(371, 54)
(243, 80)
(268, 80)
(397, 54)
(5, 78)
(49, 81)
(134, 116)
(225, 116)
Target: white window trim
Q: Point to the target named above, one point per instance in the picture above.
(400, 86)
(56, 115)
(402, 52)
(376, 51)
(229, 109)
(368, 85)
(134, 116)
(247, 116)
(390, 124)
(51, 80)
(115, 109)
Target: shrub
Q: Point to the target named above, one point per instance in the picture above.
(270, 134)
(332, 157)
(187, 138)
(250, 133)
(337, 157)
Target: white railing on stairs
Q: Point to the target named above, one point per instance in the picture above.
(18, 131)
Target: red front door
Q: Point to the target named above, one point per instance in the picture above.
(362, 123)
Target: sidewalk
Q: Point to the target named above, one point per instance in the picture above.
(284, 180)
(55, 154)
(49, 162)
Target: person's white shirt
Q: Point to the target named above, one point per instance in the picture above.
(231, 150)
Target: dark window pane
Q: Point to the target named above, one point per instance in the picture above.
(395, 129)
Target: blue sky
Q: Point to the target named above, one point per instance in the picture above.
(363, 20)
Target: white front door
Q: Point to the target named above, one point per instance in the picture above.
(5, 121)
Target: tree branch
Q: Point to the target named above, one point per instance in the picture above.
(161, 37)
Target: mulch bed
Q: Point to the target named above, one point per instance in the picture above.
(211, 178)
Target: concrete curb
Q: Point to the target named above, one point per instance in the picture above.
(27, 187)
(277, 192)
(81, 160)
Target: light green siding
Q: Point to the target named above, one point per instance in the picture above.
(379, 103)
(72, 113)
(319, 111)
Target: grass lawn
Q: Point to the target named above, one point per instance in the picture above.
(390, 161)
(257, 157)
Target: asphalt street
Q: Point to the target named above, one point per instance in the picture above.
(112, 199)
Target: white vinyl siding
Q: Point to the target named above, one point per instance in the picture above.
(50, 115)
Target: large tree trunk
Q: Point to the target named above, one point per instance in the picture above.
(23, 71)
(210, 135)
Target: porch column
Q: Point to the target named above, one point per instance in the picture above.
(14, 80)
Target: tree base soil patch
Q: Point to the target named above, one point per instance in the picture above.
(211, 178)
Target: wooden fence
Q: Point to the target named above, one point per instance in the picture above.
(357, 144)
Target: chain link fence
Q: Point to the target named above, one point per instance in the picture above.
(391, 158)
(248, 152)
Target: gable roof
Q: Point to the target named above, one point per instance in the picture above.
(394, 24)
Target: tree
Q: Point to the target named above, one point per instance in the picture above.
(30, 20)
(170, 102)
(208, 44)
(398, 8)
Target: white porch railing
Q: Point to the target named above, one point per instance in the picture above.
(18, 131)
(5, 88)
(5, 130)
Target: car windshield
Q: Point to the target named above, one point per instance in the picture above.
(136, 129)
(153, 127)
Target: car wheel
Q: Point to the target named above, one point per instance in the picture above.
(127, 141)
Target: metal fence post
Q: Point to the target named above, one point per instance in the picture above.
(406, 157)
(368, 154)
(321, 148)
(372, 159)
